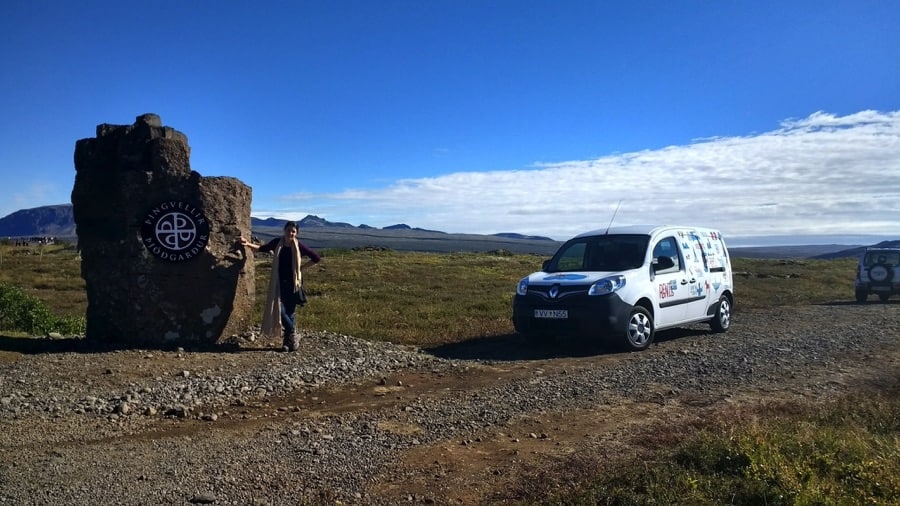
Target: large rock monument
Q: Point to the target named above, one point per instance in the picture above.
(158, 241)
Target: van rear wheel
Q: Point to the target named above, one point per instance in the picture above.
(639, 331)
(722, 321)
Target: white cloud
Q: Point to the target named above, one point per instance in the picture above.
(823, 174)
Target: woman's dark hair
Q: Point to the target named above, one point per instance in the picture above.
(292, 225)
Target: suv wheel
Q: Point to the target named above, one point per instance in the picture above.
(861, 295)
(722, 321)
(639, 331)
(883, 297)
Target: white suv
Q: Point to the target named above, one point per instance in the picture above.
(624, 283)
(878, 272)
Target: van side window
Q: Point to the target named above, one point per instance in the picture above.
(667, 248)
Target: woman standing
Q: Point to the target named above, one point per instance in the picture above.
(285, 283)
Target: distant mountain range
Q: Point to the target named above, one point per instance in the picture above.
(855, 252)
(318, 233)
(813, 251)
(57, 221)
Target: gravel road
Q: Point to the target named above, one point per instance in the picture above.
(353, 422)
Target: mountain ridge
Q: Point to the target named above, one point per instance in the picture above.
(57, 221)
(45, 221)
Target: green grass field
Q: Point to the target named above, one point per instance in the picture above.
(846, 452)
(424, 298)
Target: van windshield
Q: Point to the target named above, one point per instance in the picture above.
(600, 253)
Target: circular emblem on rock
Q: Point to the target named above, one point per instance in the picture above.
(175, 231)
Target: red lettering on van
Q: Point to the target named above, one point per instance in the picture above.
(665, 291)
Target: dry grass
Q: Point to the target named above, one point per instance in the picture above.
(772, 283)
(430, 298)
(50, 273)
(844, 453)
(423, 298)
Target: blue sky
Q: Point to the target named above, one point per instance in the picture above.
(758, 118)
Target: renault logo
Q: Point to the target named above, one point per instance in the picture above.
(554, 291)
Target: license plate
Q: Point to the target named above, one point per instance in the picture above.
(551, 313)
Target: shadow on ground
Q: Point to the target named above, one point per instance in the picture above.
(871, 302)
(42, 345)
(511, 347)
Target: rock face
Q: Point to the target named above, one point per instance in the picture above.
(159, 242)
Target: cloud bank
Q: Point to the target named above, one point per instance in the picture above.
(823, 174)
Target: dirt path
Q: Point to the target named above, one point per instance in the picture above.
(465, 433)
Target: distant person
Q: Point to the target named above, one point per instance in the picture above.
(285, 283)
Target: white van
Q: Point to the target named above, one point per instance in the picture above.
(625, 283)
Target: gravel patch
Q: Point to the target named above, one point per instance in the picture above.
(186, 427)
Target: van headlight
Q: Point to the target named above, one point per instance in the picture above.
(607, 285)
(522, 287)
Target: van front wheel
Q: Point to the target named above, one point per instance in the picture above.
(639, 331)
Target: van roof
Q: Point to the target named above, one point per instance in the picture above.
(639, 229)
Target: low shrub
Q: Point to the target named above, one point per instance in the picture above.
(22, 312)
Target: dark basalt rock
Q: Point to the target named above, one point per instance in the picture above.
(158, 241)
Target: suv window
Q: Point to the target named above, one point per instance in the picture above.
(668, 247)
(882, 257)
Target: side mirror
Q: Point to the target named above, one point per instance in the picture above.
(545, 264)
